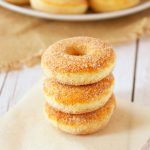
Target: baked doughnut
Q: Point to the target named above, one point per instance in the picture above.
(81, 123)
(78, 99)
(111, 5)
(61, 6)
(18, 2)
(78, 61)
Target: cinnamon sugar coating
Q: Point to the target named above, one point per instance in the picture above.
(78, 54)
(70, 95)
(76, 120)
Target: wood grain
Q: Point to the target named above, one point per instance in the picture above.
(142, 87)
(124, 70)
(14, 85)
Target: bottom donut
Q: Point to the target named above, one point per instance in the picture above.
(86, 123)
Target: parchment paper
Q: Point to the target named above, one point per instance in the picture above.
(25, 127)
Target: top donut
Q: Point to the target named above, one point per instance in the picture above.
(78, 60)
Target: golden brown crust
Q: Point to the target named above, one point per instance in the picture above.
(75, 120)
(70, 95)
(60, 6)
(78, 54)
(112, 5)
(18, 2)
(65, 3)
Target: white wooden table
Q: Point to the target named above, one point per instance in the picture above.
(132, 75)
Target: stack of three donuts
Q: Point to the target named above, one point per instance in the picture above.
(79, 88)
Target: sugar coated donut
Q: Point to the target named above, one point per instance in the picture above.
(60, 6)
(18, 2)
(78, 99)
(81, 123)
(78, 61)
(111, 5)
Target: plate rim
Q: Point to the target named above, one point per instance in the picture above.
(81, 17)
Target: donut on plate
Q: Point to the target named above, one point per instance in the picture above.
(60, 6)
(18, 2)
(78, 61)
(81, 123)
(111, 5)
(78, 99)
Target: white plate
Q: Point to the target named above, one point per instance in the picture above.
(82, 17)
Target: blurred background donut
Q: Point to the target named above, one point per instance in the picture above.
(60, 6)
(111, 5)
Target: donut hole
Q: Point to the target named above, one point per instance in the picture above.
(75, 51)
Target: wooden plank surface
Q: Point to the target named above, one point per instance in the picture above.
(14, 85)
(124, 70)
(142, 85)
(26, 79)
(123, 86)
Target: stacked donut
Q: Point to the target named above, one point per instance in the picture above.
(77, 6)
(79, 84)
